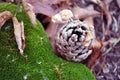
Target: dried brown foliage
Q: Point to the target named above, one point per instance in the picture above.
(18, 29)
(81, 13)
(4, 16)
(104, 13)
(29, 9)
(19, 34)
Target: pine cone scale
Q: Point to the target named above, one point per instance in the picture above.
(71, 41)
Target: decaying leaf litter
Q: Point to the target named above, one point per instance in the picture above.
(19, 34)
(4, 16)
(107, 67)
(102, 15)
(106, 17)
(19, 26)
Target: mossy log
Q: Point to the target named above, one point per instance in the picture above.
(39, 61)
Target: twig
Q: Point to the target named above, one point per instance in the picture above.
(114, 44)
(59, 72)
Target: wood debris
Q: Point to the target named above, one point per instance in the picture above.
(96, 44)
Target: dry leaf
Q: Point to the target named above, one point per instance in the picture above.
(43, 9)
(94, 1)
(118, 2)
(90, 34)
(52, 2)
(80, 13)
(52, 31)
(22, 34)
(19, 34)
(29, 9)
(50, 7)
(96, 45)
(59, 1)
(4, 16)
(47, 1)
(96, 54)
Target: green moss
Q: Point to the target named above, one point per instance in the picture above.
(39, 61)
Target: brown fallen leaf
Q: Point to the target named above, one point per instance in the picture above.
(96, 54)
(44, 9)
(46, 1)
(19, 34)
(80, 13)
(51, 33)
(91, 35)
(90, 22)
(50, 7)
(4, 16)
(118, 2)
(29, 9)
(50, 1)
(22, 34)
(91, 60)
(96, 45)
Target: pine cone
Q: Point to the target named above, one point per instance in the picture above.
(73, 41)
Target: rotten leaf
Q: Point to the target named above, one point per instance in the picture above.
(29, 9)
(80, 13)
(118, 2)
(4, 16)
(96, 44)
(50, 7)
(22, 34)
(19, 34)
(43, 9)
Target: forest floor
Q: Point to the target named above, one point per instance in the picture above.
(108, 66)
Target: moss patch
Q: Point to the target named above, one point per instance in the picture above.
(39, 61)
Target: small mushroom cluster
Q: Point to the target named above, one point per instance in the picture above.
(72, 43)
